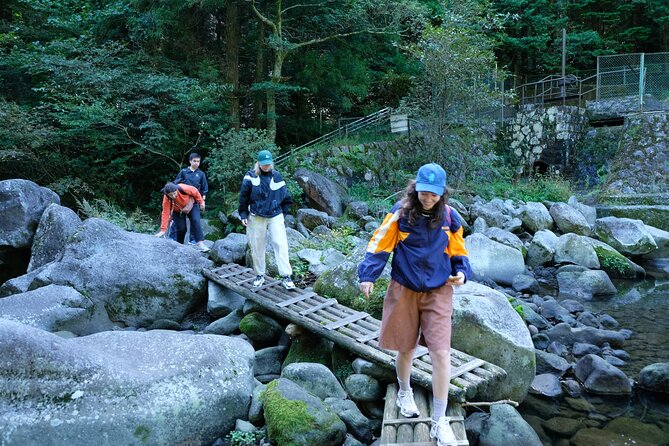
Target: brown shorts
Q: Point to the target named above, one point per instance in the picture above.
(409, 315)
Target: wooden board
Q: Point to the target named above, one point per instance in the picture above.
(353, 330)
(398, 430)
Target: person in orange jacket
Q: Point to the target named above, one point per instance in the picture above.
(180, 202)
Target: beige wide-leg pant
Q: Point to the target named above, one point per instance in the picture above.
(256, 231)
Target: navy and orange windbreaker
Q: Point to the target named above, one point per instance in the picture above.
(423, 258)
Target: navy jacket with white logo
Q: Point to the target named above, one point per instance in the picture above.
(264, 195)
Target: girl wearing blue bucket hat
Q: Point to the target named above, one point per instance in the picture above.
(425, 237)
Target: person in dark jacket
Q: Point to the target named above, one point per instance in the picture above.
(191, 176)
(425, 237)
(263, 201)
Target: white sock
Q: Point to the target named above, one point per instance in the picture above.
(438, 409)
(404, 385)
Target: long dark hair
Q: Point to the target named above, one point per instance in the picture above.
(412, 208)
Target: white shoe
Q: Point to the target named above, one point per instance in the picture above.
(442, 431)
(287, 283)
(259, 280)
(406, 404)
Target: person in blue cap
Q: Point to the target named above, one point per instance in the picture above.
(263, 201)
(425, 237)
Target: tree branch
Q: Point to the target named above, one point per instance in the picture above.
(305, 5)
(334, 36)
(262, 18)
(144, 146)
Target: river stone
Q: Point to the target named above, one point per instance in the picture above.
(661, 238)
(573, 306)
(296, 417)
(598, 437)
(506, 426)
(582, 349)
(627, 236)
(562, 427)
(57, 224)
(268, 362)
(637, 429)
(551, 363)
(495, 213)
(506, 238)
(546, 384)
(154, 387)
(22, 204)
(260, 328)
(372, 369)
(231, 249)
(551, 309)
(542, 248)
(314, 378)
(55, 308)
(323, 193)
(564, 333)
(486, 326)
(589, 212)
(492, 260)
(586, 284)
(568, 219)
(356, 423)
(364, 388)
(256, 413)
(535, 217)
(222, 301)
(598, 376)
(226, 325)
(614, 263)
(655, 377)
(576, 249)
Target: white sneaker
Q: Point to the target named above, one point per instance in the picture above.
(442, 431)
(406, 404)
(259, 280)
(287, 283)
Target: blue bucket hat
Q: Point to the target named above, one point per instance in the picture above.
(431, 178)
(265, 158)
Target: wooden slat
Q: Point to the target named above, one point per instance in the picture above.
(327, 303)
(368, 337)
(347, 320)
(295, 299)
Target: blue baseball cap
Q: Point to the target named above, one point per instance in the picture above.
(265, 158)
(431, 178)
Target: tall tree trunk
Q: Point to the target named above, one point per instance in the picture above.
(260, 76)
(232, 33)
(275, 78)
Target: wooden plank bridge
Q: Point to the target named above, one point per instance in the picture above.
(358, 332)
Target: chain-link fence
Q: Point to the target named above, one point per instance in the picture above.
(641, 79)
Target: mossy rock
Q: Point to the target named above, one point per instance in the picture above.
(616, 264)
(260, 329)
(309, 348)
(295, 417)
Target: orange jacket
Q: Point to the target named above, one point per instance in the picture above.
(179, 202)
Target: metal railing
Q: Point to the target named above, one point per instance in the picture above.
(380, 117)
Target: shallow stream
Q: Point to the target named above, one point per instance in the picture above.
(640, 306)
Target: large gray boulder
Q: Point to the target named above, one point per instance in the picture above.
(629, 237)
(585, 284)
(493, 260)
(598, 376)
(22, 203)
(324, 194)
(614, 263)
(485, 325)
(573, 248)
(230, 249)
(505, 426)
(56, 308)
(495, 213)
(542, 248)
(569, 219)
(535, 217)
(661, 239)
(655, 377)
(56, 226)
(138, 278)
(314, 378)
(130, 388)
(506, 238)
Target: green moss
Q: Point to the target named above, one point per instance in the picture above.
(142, 433)
(312, 349)
(612, 262)
(285, 416)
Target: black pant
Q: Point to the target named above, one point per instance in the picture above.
(179, 222)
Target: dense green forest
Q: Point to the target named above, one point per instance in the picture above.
(106, 98)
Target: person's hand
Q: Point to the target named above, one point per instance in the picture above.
(458, 279)
(366, 288)
(202, 207)
(160, 234)
(245, 222)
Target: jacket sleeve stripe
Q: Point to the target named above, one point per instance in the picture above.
(386, 236)
(456, 244)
